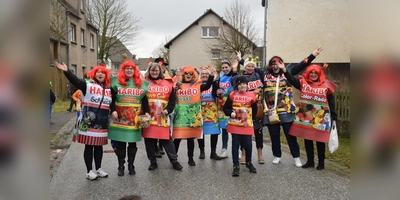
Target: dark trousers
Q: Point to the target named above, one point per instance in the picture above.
(309, 145)
(91, 152)
(224, 139)
(275, 133)
(237, 140)
(214, 140)
(259, 136)
(190, 146)
(168, 146)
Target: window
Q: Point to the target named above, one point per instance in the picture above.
(55, 50)
(73, 68)
(215, 54)
(82, 37)
(81, 3)
(210, 32)
(91, 41)
(73, 33)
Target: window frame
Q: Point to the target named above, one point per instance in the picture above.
(82, 37)
(91, 41)
(208, 32)
(215, 52)
(73, 33)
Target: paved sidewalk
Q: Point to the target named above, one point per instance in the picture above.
(209, 179)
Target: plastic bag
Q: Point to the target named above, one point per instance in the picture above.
(333, 143)
(273, 116)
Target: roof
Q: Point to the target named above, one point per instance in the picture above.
(196, 22)
(143, 63)
(117, 51)
(73, 11)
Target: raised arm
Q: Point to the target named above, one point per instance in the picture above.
(292, 80)
(77, 82)
(305, 62)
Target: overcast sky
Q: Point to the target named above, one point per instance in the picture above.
(161, 18)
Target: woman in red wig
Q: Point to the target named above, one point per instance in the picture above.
(129, 100)
(96, 98)
(316, 95)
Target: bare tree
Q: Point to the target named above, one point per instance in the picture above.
(58, 22)
(160, 50)
(241, 34)
(114, 23)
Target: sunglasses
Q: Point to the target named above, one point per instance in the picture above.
(188, 73)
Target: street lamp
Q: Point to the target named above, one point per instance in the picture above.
(264, 3)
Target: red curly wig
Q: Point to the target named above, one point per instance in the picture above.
(187, 68)
(136, 74)
(318, 70)
(92, 74)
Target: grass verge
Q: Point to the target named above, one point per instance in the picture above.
(61, 106)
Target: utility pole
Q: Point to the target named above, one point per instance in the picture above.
(264, 3)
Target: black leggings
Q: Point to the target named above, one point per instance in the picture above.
(90, 152)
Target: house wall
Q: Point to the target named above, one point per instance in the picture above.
(82, 55)
(296, 27)
(189, 48)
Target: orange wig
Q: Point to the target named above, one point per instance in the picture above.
(318, 70)
(136, 74)
(92, 74)
(187, 68)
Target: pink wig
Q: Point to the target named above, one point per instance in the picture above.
(136, 75)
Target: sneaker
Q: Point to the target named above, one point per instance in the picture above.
(69, 109)
(91, 175)
(101, 173)
(177, 166)
(236, 170)
(224, 153)
(297, 162)
(251, 167)
(276, 160)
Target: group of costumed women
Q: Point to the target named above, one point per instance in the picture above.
(191, 106)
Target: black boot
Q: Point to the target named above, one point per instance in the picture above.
(321, 155)
(214, 155)
(309, 146)
(202, 154)
(131, 159)
(121, 161)
(191, 162)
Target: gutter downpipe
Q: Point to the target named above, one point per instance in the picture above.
(265, 35)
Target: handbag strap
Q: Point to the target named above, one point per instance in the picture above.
(276, 91)
(101, 101)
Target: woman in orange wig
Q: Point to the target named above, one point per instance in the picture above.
(187, 121)
(92, 133)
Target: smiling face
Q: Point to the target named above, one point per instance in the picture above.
(249, 69)
(242, 87)
(275, 68)
(188, 76)
(155, 72)
(178, 72)
(129, 72)
(314, 76)
(204, 75)
(100, 76)
(226, 68)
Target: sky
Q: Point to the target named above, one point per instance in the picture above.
(167, 18)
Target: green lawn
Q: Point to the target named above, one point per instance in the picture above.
(341, 155)
(61, 106)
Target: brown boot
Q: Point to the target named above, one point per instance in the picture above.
(260, 156)
(243, 158)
